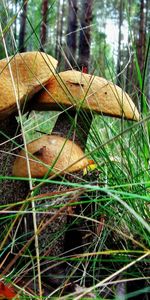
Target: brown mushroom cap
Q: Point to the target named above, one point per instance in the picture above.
(29, 70)
(50, 151)
(76, 89)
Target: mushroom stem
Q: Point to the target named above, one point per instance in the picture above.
(8, 142)
(11, 191)
(75, 126)
(78, 134)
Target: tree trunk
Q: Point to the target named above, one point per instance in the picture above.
(141, 50)
(85, 34)
(147, 29)
(15, 25)
(148, 76)
(141, 44)
(60, 28)
(57, 29)
(130, 65)
(71, 34)
(119, 41)
(43, 32)
(22, 33)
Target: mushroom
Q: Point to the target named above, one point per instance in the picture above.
(50, 154)
(76, 89)
(30, 70)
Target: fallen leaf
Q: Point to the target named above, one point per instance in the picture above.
(6, 291)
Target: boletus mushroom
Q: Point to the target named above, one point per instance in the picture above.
(29, 70)
(79, 90)
(50, 154)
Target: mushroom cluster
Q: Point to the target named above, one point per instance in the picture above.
(24, 75)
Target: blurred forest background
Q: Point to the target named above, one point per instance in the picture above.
(106, 37)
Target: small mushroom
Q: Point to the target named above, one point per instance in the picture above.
(50, 154)
(29, 71)
(76, 89)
